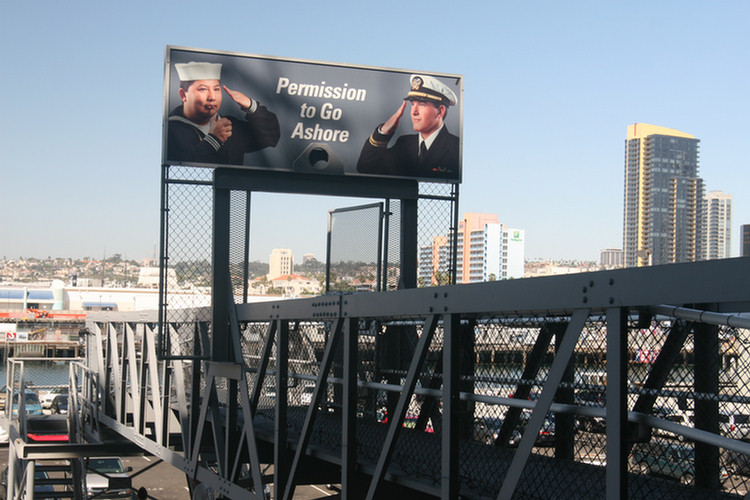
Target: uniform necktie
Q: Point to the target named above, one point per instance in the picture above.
(422, 151)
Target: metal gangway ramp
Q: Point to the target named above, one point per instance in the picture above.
(559, 387)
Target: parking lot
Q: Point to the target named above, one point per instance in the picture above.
(164, 482)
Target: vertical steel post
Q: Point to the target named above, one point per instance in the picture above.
(328, 251)
(707, 365)
(220, 279)
(280, 451)
(454, 235)
(617, 394)
(564, 422)
(386, 231)
(449, 483)
(408, 244)
(379, 252)
(163, 348)
(246, 248)
(349, 411)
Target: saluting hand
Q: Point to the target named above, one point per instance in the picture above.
(392, 124)
(238, 97)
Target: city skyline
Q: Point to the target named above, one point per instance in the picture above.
(549, 93)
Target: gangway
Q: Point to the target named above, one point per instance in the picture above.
(401, 381)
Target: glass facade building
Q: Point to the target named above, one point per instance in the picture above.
(663, 198)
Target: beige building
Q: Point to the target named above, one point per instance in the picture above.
(280, 262)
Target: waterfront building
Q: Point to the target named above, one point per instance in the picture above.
(280, 263)
(487, 250)
(663, 198)
(718, 225)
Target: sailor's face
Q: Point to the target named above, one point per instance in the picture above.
(426, 117)
(202, 100)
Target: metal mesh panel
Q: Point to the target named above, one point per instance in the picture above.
(187, 247)
(187, 257)
(437, 219)
(353, 248)
(239, 211)
(392, 245)
(510, 357)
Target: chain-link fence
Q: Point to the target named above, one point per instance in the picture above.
(186, 269)
(505, 362)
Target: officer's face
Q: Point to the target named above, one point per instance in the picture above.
(202, 100)
(426, 117)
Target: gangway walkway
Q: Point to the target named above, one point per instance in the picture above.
(537, 388)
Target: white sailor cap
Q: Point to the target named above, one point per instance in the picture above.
(429, 89)
(191, 71)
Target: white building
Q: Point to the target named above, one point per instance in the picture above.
(718, 225)
(291, 285)
(487, 250)
(612, 258)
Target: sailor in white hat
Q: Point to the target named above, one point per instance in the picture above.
(432, 152)
(197, 133)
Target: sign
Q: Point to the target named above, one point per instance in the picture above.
(249, 111)
(10, 335)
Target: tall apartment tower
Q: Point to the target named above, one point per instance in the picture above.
(745, 242)
(718, 225)
(663, 199)
(281, 262)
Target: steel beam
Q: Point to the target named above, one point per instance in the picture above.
(617, 399)
(320, 390)
(449, 466)
(397, 419)
(555, 376)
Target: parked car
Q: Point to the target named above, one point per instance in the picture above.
(100, 470)
(30, 401)
(667, 459)
(486, 429)
(60, 404)
(3, 395)
(736, 462)
(735, 425)
(47, 398)
(307, 394)
(596, 399)
(546, 436)
(678, 418)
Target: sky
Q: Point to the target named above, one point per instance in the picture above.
(549, 91)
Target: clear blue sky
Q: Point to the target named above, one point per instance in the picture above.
(550, 88)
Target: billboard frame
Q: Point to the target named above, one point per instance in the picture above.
(294, 151)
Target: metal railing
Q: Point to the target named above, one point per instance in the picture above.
(618, 384)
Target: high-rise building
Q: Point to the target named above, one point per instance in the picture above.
(280, 262)
(663, 199)
(745, 246)
(718, 225)
(486, 251)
